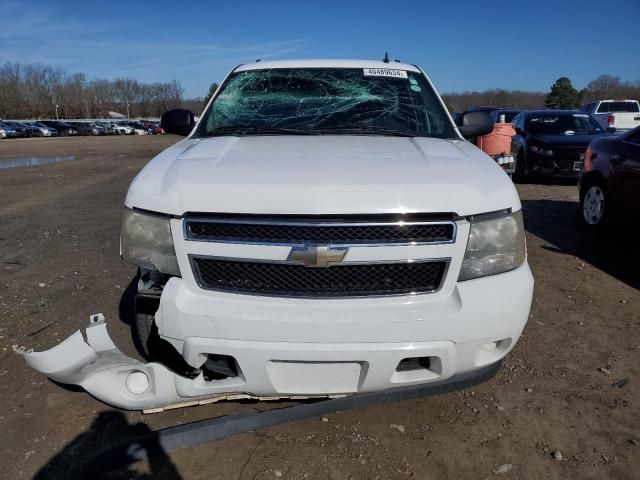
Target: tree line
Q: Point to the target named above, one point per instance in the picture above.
(562, 94)
(39, 91)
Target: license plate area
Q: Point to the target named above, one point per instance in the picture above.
(314, 378)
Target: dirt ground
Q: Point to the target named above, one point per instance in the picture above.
(556, 409)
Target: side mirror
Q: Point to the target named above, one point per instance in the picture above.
(179, 121)
(475, 124)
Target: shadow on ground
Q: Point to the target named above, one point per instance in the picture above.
(615, 251)
(82, 458)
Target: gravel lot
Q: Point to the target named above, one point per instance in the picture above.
(558, 408)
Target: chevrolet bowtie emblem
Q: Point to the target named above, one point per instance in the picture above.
(316, 255)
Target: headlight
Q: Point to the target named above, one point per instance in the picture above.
(146, 241)
(495, 245)
(547, 152)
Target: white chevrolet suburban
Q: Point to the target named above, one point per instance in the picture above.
(324, 229)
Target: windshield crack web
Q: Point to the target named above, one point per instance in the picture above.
(317, 99)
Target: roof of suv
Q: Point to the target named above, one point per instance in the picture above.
(327, 63)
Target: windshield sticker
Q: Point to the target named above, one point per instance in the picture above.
(384, 72)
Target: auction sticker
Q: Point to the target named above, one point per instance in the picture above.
(384, 72)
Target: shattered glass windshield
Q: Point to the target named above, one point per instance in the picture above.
(319, 101)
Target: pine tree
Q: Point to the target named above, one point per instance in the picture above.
(562, 95)
(212, 89)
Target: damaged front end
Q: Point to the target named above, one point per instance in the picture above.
(98, 366)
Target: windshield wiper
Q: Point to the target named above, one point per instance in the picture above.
(254, 130)
(366, 130)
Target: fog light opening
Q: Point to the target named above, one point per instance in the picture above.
(137, 382)
(412, 364)
(492, 351)
(490, 346)
(219, 367)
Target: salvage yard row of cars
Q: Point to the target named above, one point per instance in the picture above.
(598, 144)
(55, 128)
(552, 143)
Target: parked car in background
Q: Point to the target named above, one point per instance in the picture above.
(45, 131)
(102, 130)
(108, 127)
(122, 128)
(7, 131)
(152, 128)
(32, 130)
(552, 143)
(21, 130)
(610, 181)
(84, 128)
(138, 128)
(64, 129)
(622, 115)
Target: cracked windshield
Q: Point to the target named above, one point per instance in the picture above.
(327, 101)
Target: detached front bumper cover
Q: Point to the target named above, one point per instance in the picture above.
(105, 372)
(96, 365)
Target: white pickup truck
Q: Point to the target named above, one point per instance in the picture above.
(622, 115)
(323, 230)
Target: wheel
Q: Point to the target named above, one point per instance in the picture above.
(594, 205)
(521, 172)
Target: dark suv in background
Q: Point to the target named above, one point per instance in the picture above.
(552, 143)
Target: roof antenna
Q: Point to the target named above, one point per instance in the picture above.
(386, 57)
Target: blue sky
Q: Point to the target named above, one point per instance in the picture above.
(463, 45)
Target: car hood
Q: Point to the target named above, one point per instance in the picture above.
(330, 174)
(569, 140)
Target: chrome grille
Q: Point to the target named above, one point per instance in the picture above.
(346, 231)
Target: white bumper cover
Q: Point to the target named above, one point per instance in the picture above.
(357, 343)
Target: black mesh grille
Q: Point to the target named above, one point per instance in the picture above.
(291, 233)
(334, 281)
(570, 153)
